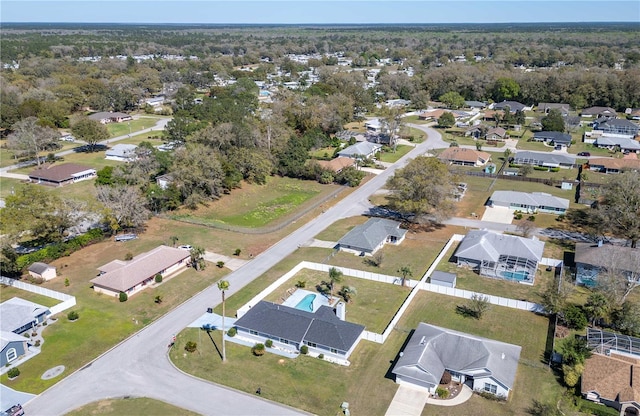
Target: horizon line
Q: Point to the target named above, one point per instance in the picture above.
(332, 23)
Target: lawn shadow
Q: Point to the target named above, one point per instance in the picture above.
(389, 374)
(208, 329)
(466, 311)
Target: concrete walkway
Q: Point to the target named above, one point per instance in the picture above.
(231, 263)
(464, 395)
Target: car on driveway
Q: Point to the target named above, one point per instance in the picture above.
(586, 154)
(185, 247)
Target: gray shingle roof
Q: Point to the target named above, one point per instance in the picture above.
(360, 149)
(623, 142)
(322, 327)
(513, 106)
(443, 276)
(625, 258)
(7, 337)
(549, 158)
(537, 199)
(39, 267)
(433, 349)
(557, 136)
(371, 234)
(488, 245)
(17, 312)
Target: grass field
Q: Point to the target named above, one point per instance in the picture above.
(392, 157)
(130, 127)
(130, 406)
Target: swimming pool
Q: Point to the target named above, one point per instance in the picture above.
(306, 304)
(519, 276)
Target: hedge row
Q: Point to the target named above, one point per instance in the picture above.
(57, 250)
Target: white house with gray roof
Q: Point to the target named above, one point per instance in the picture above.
(122, 152)
(481, 363)
(529, 202)
(19, 315)
(547, 160)
(290, 328)
(365, 239)
(500, 256)
(361, 150)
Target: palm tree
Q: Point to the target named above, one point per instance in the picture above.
(174, 239)
(406, 272)
(335, 276)
(347, 293)
(223, 285)
(197, 257)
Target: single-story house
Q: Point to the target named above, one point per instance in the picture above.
(632, 113)
(475, 131)
(338, 164)
(530, 202)
(562, 107)
(496, 133)
(12, 347)
(134, 275)
(19, 315)
(492, 115)
(361, 150)
(499, 255)
(42, 271)
(106, 117)
(513, 106)
(122, 152)
(58, 175)
(366, 239)
(613, 379)
(154, 101)
(290, 328)
(598, 112)
(465, 157)
(593, 259)
(614, 142)
(481, 363)
(443, 279)
(610, 165)
(547, 160)
(165, 180)
(555, 137)
(431, 115)
(618, 126)
(475, 104)
(373, 125)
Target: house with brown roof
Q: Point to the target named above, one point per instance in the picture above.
(610, 165)
(138, 273)
(431, 115)
(598, 112)
(613, 380)
(58, 175)
(464, 157)
(106, 117)
(338, 164)
(496, 133)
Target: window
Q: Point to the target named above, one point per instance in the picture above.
(491, 388)
(11, 354)
(311, 344)
(252, 332)
(334, 351)
(284, 341)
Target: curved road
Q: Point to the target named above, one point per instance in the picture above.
(139, 366)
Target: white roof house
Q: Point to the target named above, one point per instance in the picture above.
(529, 202)
(19, 315)
(360, 150)
(122, 152)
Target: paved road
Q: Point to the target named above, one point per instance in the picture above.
(139, 366)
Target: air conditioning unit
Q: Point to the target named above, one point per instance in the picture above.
(607, 353)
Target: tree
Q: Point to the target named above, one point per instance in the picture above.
(422, 190)
(197, 171)
(406, 272)
(525, 170)
(554, 296)
(596, 307)
(90, 131)
(553, 121)
(391, 125)
(447, 119)
(347, 293)
(619, 207)
(197, 257)
(125, 206)
(574, 317)
(28, 138)
(452, 100)
(505, 89)
(223, 286)
(478, 305)
(526, 228)
(335, 276)
(507, 155)
(626, 318)
(174, 239)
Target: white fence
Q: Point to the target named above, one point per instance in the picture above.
(68, 301)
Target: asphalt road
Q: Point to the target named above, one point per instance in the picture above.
(139, 366)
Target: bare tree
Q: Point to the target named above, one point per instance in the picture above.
(526, 228)
(619, 276)
(125, 206)
(29, 138)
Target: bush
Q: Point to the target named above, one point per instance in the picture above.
(321, 356)
(190, 346)
(66, 282)
(268, 343)
(301, 284)
(531, 218)
(57, 250)
(554, 170)
(575, 317)
(304, 350)
(237, 252)
(122, 297)
(13, 372)
(232, 332)
(517, 216)
(128, 256)
(158, 299)
(258, 350)
(596, 409)
(220, 264)
(541, 168)
(158, 278)
(73, 315)
(442, 393)
(37, 343)
(491, 396)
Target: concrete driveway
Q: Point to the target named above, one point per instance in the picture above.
(408, 401)
(500, 215)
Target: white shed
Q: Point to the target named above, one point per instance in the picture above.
(42, 270)
(443, 279)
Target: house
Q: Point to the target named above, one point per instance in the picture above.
(19, 315)
(431, 115)
(481, 363)
(618, 126)
(361, 150)
(155, 101)
(553, 137)
(502, 256)
(496, 133)
(547, 160)
(164, 181)
(491, 115)
(337, 165)
(513, 106)
(122, 152)
(598, 112)
(366, 239)
(615, 142)
(443, 279)
(64, 174)
(610, 165)
(613, 379)
(464, 157)
(475, 104)
(632, 113)
(530, 202)
(106, 117)
(12, 347)
(374, 125)
(593, 259)
(562, 107)
(42, 271)
(290, 328)
(476, 131)
(134, 275)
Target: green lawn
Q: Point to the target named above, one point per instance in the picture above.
(9, 292)
(322, 153)
(130, 406)
(392, 157)
(130, 127)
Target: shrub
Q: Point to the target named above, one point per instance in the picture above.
(554, 169)
(575, 317)
(301, 284)
(531, 218)
(158, 299)
(13, 372)
(232, 332)
(158, 278)
(268, 343)
(321, 356)
(122, 297)
(491, 396)
(442, 393)
(258, 350)
(190, 346)
(73, 315)
(37, 343)
(26, 335)
(44, 323)
(518, 216)
(128, 256)
(220, 264)
(66, 282)
(304, 350)
(237, 252)
(541, 168)
(446, 377)
(596, 409)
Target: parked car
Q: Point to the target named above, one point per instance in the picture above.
(185, 247)
(586, 154)
(126, 237)
(15, 410)
(558, 147)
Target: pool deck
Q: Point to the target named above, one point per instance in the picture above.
(299, 294)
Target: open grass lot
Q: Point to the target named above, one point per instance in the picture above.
(127, 127)
(418, 135)
(523, 144)
(392, 157)
(9, 292)
(258, 205)
(373, 306)
(339, 228)
(322, 153)
(131, 406)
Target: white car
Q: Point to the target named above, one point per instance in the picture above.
(185, 247)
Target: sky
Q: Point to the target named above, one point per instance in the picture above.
(318, 12)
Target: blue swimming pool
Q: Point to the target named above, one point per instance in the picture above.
(306, 304)
(519, 276)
